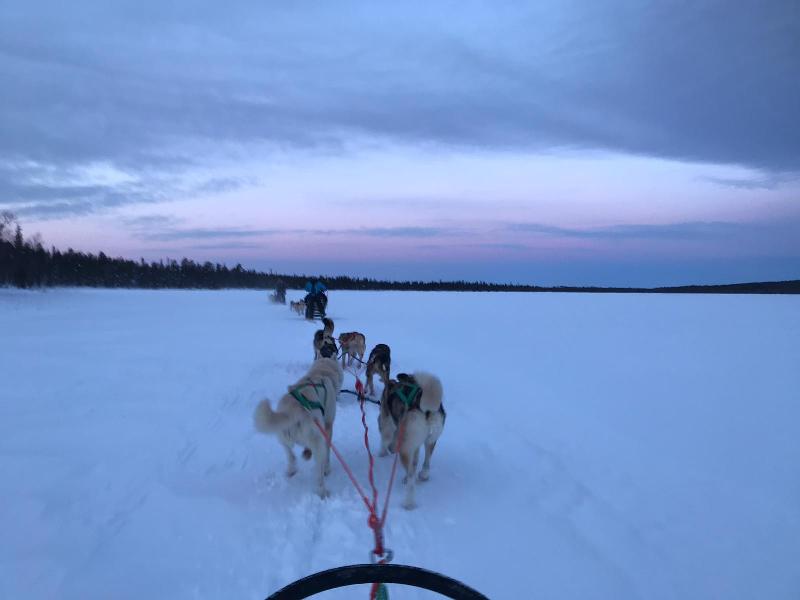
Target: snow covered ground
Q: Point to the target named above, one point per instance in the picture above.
(597, 446)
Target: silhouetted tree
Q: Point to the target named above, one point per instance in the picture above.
(27, 263)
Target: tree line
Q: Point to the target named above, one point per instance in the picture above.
(25, 262)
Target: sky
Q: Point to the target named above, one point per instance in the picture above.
(597, 142)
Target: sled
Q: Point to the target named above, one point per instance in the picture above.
(315, 306)
(279, 295)
(370, 573)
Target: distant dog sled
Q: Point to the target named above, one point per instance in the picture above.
(279, 295)
(316, 300)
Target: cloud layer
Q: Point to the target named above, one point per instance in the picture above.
(145, 85)
(413, 131)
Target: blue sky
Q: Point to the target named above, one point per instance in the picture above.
(617, 143)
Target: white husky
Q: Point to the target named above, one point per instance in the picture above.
(311, 399)
(413, 405)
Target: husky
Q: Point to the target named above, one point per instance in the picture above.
(411, 414)
(379, 362)
(323, 339)
(312, 399)
(352, 344)
(298, 306)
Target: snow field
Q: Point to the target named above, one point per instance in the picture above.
(596, 446)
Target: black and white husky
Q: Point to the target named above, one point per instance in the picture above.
(311, 399)
(379, 362)
(324, 344)
(411, 409)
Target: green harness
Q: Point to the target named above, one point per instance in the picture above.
(407, 392)
(310, 405)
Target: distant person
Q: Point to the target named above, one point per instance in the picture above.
(321, 297)
(310, 300)
(280, 291)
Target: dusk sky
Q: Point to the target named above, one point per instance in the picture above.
(554, 142)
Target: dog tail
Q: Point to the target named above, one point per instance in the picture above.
(327, 325)
(431, 391)
(267, 420)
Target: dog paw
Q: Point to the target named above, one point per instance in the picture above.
(424, 476)
(327, 470)
(323, 493)
(291, 472)
(405, 480)
(409, 505)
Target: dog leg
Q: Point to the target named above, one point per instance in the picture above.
(424, 474)
(388, 431)
(329, 431)
(291, 468)
(409, 461)
(320, 456)
(414, 435)
(369, 388)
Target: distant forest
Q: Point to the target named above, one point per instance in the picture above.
(26, 263)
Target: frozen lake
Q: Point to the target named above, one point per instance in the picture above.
(597, 446)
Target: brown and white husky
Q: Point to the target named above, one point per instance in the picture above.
(312, 398)
(412, 414)
(354, 345)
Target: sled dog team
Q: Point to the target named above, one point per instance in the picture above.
(410, 405)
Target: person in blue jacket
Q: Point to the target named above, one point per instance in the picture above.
(309, 300)
(315, 298)
(321, 297)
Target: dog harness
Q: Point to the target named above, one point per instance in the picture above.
(407, 392)
(310, 405)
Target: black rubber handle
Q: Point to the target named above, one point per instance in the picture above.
(358, 574)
